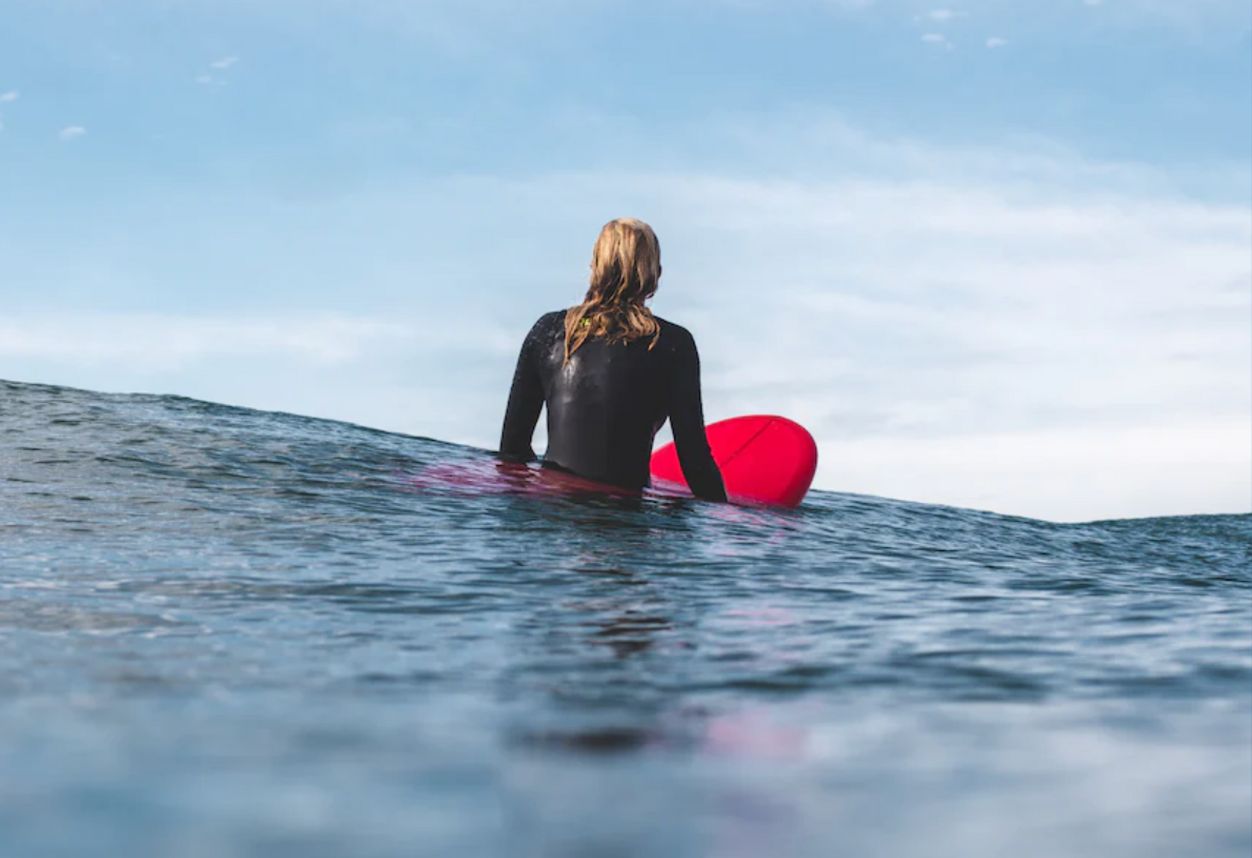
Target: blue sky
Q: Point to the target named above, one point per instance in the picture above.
(994, 254)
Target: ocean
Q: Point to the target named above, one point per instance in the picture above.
(234, 632)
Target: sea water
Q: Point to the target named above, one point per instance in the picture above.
(232, 632)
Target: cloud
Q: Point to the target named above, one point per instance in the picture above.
(217, 76)
(1012, 328)
(1073, 474)
(996, 42)
(908, 316)
(7, 98)
(970, 345)
(937, 39)
(71, 132)
(171, 339)
(942, 14)
(383, 371)
(1194, 19)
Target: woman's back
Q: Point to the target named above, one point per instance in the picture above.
(612, 373)
(607, 403)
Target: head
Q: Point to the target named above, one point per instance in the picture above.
(625, 264)
(625, 270)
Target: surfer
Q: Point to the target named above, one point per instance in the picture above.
(611, 374)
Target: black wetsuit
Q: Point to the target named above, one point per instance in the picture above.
(607, 404)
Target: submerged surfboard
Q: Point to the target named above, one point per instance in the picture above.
(764, 459)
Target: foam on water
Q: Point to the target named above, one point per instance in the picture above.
(225, 631)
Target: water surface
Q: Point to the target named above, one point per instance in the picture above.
(230, 632)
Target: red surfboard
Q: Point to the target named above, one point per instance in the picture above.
(763, 458)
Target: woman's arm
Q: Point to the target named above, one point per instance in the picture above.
(525, 400)
(686, 414)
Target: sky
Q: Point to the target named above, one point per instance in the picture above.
(992, 254)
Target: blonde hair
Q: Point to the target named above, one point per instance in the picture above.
(625, 268)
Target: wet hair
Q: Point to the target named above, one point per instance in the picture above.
(625, 268)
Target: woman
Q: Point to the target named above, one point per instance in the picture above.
(611, 374)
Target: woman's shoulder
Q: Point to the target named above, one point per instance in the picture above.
(549, 322)
(674, 333)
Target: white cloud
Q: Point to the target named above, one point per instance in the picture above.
(937, 39)
(1024, 331)
(996, 42)
(1070, 473)
(1051, 21)
(913, 323)
(987, 349)
(217, 75)
(165, 339)
(7, 98)
(942, 14)
(386, 372)
(71, 132)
